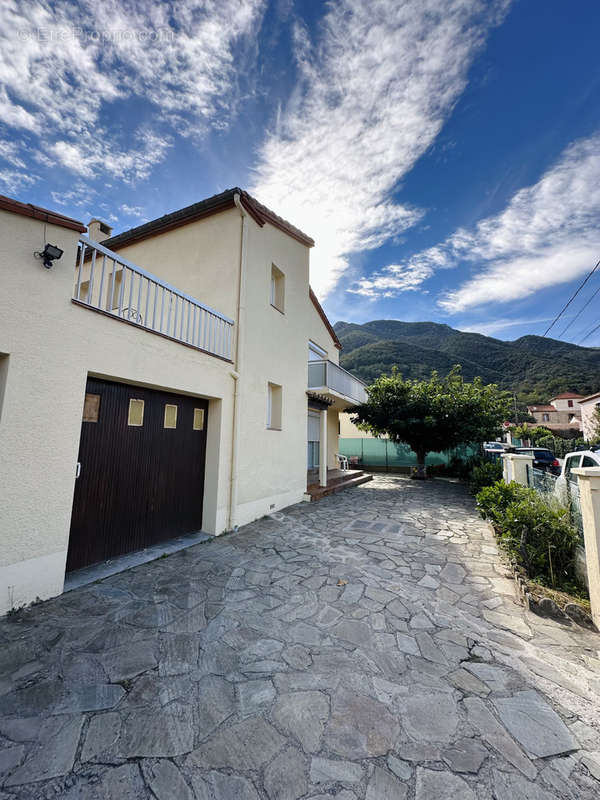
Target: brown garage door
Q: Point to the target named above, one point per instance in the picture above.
(141, 474)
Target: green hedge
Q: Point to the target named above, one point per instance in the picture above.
(537, 532)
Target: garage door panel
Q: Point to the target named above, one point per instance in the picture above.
(140, 483)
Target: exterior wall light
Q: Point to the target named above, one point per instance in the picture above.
(49, 254)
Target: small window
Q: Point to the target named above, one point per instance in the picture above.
(546, 417)
(170, 420)
(198, 419)
(273, 407)
(136, 413)
(570, 403)
(91, 407)
(277, 288)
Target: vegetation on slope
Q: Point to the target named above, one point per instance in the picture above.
(534, 367)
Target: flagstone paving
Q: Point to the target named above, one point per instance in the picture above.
(365, 646)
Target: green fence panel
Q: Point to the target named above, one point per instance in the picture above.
(383, 453)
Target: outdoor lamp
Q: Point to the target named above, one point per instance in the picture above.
(49, 254)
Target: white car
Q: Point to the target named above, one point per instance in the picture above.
(579, 458)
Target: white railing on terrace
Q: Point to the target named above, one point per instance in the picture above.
(327, 375)
(109, 283)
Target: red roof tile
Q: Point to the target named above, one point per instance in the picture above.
(37, 212)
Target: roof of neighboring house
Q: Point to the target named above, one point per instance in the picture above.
(591, 397)
(205, 208)
(37, 212)
(323, 316)
(567, 396)
(542, 408)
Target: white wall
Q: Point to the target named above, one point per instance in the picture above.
(49, 346)
(52, 345)
(587, 418)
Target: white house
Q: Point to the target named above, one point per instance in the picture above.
(588, 405)
(169, 379)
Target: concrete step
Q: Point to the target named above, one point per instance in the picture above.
(338, 485)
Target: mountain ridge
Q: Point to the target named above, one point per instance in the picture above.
(535, 367)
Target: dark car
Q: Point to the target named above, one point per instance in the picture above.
(542, 458)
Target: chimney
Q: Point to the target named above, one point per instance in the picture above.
(98, 231)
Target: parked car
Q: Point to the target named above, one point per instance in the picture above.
(578, 458)
(543, 458)
(493, 450)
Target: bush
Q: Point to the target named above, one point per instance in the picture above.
(537, 532)
(540, 535)
(494, 500)
(485, 474)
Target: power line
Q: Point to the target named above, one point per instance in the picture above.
(587, 336)
(568, 303)
(579, 313)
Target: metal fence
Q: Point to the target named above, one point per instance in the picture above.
(384, 453)
(567, 494)
(106, 282)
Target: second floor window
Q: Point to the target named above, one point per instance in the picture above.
(546, 417)
(570, 403)
(277, 288)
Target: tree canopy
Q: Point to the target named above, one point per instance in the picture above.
(435, 414)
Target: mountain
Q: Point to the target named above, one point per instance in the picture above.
(534, 367)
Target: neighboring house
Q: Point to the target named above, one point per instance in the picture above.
(588, 406)
(177, 377)
(563, 413)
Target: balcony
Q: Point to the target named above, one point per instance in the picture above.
(109, 284)
(327, 378)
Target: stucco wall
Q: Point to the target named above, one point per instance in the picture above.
(201, 258)
(587, 418)
(272, 463)
(52, 345)
(49, 345)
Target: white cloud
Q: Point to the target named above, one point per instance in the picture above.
(131, 211)
(547, 235)
(12, 180)
(61, 63)
(373, 94)
(390, 281)
(495, 325)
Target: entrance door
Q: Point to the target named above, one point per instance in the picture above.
(141, 470)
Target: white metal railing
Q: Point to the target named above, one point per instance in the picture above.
(327, 375)
(109, 283)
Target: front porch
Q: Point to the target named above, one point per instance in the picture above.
(337, 480)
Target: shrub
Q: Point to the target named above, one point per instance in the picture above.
(536, 531)
(495, 499)
(539, 534)
(485, 474)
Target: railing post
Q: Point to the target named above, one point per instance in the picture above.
(589, 497)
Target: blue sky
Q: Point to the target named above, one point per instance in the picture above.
(444, 154)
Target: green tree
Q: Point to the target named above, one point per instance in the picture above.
(435, 414)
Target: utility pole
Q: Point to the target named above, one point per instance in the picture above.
(516, 409)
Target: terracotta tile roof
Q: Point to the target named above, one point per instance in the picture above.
(567, 396)
(212, 205)
(37, 212)
(323, 316)
(542, 408)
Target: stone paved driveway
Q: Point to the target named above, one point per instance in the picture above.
(366, 646)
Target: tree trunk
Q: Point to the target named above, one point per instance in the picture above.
(420, 473)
